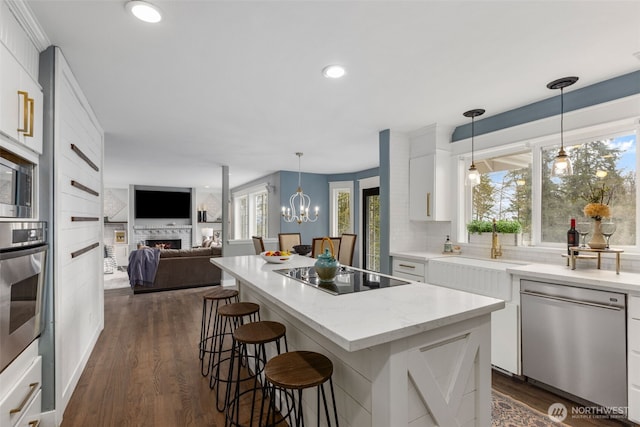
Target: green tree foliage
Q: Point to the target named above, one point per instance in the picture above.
(564, 198)
(483, 199)
(344, 214)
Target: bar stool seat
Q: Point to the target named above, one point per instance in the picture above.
(229, 317)
(299, 370)
(210, 303)
(257, 335)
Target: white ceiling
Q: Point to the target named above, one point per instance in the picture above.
(239, 83)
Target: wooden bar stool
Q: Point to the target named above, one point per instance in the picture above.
(230, 317)
(210, 304)
(296, 371)
(253, 336)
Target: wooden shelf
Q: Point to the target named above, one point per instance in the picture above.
(577, 249)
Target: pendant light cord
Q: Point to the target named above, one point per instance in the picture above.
(472, 134)
(562, 118)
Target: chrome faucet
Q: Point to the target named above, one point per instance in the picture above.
(496, 247)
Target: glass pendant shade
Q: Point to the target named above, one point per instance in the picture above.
(473, 176)
(561, 165)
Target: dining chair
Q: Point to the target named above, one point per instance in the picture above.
(258, 244)
(287, 241)
(347, 247)
(316, 246)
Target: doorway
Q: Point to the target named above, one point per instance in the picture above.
(371, 228)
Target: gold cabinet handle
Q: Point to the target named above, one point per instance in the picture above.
(428, 204)
(34, 423)
(407, 266)
(34, 387)
(25, 111)
(31, 102)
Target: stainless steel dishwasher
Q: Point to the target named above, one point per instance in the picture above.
(574, 339)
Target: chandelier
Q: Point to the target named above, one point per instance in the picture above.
(299, 204)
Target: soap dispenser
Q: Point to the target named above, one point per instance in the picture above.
(447, 245)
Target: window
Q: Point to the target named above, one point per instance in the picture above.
(341, 206)
(251, 213)
(517, 185)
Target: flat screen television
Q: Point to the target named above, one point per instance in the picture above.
(162, 204)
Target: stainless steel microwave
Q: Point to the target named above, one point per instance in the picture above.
(16, 186)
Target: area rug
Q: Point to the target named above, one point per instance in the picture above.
(116, 280)
(508, 412)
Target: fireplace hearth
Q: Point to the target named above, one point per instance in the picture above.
(164, 243)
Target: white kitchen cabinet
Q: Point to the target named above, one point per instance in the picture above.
(429, 198)
(20, 103)
(633, 358)
(409, 269)
(23, 399)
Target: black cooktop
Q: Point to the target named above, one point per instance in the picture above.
(347, 281)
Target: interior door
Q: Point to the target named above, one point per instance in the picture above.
(371, 228)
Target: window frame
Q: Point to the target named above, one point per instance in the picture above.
(335, 188)
(250, 194)
(536, 146)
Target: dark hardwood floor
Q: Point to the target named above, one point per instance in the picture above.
(144, 370)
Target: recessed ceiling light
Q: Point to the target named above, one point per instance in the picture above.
(144, 11)
(333, 71)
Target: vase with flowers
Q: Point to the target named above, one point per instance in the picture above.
(598, 208)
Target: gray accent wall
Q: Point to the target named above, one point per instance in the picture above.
(385, 200)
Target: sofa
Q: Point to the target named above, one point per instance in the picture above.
(184, 268)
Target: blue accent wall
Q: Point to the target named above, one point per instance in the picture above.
(574, 99)
(316, 186)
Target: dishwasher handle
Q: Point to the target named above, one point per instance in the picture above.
(569, 300)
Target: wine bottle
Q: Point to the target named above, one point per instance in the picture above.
(573, 237)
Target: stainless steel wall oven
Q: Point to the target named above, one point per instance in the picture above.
(23, 255)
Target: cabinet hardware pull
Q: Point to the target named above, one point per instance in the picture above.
(34, 423)
(407, 266)
(79, 186)
(31, 103)
(84, 218)
(572, 301)
(84, 157)
(84, 250)
(428, 204)
(34, 387)
(25, 111)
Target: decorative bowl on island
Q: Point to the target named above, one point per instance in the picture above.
(276, 257)
(302, 249)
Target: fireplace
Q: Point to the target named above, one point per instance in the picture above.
(164, 243)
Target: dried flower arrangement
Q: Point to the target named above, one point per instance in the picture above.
(598, 199)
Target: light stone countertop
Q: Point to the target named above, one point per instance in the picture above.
(363, 319)
(605, 279)
(421, 255)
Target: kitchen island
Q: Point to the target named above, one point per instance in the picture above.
(408, 355)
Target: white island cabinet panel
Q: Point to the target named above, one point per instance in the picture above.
(633, 332)
(394, 350)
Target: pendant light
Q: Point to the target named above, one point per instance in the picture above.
(299, 203)
(473, 176)
(562, 163)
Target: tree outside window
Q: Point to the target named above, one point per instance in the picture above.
(608, 162)
(506, 191)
